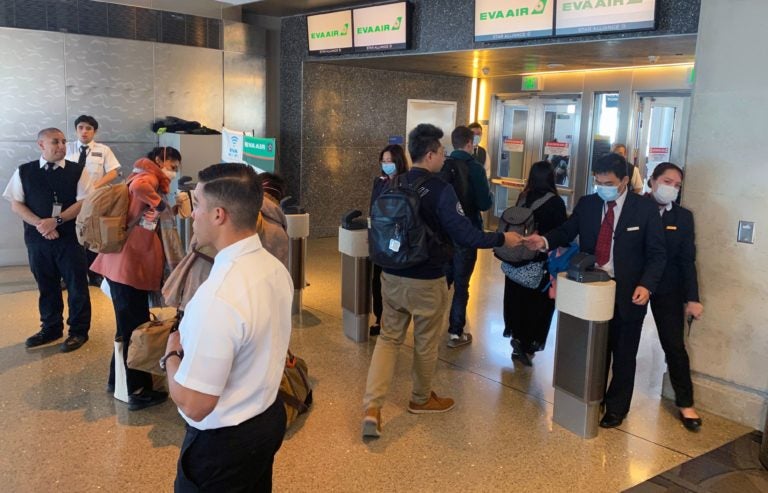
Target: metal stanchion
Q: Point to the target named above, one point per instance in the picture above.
(297, 220)
(355, 276)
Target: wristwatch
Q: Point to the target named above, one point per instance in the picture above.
(164, 359)
(59, 220)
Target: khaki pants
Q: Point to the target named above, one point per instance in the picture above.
(426, 302)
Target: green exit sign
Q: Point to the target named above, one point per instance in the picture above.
(531, 83)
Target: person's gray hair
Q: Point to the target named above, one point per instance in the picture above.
(47, 131)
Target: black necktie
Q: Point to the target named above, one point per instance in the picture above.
(49, 166)
(83, 153)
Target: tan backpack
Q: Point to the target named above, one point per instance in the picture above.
(101, 224)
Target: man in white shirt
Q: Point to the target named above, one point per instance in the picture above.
(635, 180)
(47, 194)
(226, 361)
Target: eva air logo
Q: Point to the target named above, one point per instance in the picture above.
(518, 12)
(332, 33)
(381, 28)
(596, 4)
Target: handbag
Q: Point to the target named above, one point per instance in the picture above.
(295, 390)
(528, 275)
(148, 343)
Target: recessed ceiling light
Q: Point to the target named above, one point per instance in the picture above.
(555, 65)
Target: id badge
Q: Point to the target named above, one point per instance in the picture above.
(56, 209)
(394, 245)
(148, 225)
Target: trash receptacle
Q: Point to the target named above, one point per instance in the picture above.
(585, 302)
(355, 276)
(297, 227)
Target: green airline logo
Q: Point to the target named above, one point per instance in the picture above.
(518, 12)
(381, 28)
(333, 33)
(596, 4)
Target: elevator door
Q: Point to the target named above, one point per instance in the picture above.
(533, 129)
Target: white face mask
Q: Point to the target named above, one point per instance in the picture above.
(169, 173)
(665, 194)
(476, 140)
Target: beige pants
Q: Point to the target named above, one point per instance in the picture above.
(426, 302)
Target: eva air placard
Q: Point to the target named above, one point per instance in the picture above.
(383, 27)
(259, 153)
(499, 20)
(330, 34)
(599, 16)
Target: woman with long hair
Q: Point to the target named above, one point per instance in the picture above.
(528, 308)
(392, 163)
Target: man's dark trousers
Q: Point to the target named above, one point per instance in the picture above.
(458, 273)
(623, 342)
(50, 262)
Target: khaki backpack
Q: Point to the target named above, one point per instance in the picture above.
(101, 224)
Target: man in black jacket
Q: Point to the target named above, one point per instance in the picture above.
(421, 292)
(623, 230)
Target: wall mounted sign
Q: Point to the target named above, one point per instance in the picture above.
(513, 145)
(499, 20)
(383, 27)
(598, 16)
(557, 149)
(330, 34)
(231, 146)
(259, 153)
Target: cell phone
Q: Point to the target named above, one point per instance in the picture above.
(690, 322)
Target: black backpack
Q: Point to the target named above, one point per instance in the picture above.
(520, 220)
(398, 238)
(456, 173)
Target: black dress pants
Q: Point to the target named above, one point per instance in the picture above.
(527, 314)
(131, 310)
(236, 459)
(50, 262)
(669, 315)
(378, 305)
(623, 342)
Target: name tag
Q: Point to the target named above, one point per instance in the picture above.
(671, 228)
(394, 245)
(56, 209)
(97, 154)
(633, 228)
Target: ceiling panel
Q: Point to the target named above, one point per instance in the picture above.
(282, 8)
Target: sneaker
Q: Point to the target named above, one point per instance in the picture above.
(456, 340)
(435, 404)
(72, 343)
(146, 398)
(372, 423)
(40, 338)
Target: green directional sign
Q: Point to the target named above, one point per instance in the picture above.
(259, 153)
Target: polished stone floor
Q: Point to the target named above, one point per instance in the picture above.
(63, 432)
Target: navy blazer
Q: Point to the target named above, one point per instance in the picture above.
(680, 273)
(639, 254)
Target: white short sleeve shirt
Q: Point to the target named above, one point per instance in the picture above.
(15, 191)
(99, 159)
(235, 334)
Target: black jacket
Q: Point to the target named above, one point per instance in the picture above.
(680, 273)
(639, 255)
(547, 217)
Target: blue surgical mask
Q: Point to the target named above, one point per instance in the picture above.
(607, 193)
(388, 168)
(476, 140)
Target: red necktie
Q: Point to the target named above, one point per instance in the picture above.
(605, 238)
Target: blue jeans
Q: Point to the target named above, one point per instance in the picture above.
(458, 273)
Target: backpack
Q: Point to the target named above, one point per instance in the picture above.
(520, 220)
(398, 238)
(101, 224)
(456, 173)
(295, 390)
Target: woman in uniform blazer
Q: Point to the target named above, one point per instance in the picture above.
(677, 295)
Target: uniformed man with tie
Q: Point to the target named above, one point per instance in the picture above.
(47, 193)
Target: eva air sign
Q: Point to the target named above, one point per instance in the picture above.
(497, 20)
(597, 16)
(382, 27)
(330, 33)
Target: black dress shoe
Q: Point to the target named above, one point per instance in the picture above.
(611, 420)
(72, 343)
(691, 424)
(146, 398)
(41, 338)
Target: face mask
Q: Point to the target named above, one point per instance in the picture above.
(388, 168)
(607, 193)
(664, 194)
(476, 140)
(170, 174)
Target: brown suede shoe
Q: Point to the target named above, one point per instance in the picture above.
(372, 423)
(435, 404)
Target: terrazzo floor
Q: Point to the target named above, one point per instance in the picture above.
(63, 432)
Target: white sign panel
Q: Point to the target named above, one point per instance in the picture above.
(497, 20)
(330, 33)
(658, 154)
(514, 145)
(557, 149)
(231, 146)
(384, 27)
(596, 16)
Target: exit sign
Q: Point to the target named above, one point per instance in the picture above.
(531, 83)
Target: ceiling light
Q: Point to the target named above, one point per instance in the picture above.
(555, 65)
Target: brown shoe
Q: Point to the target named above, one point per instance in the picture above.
(435, 404)
(372, 423)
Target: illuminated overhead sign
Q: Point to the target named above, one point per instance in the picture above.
(499, 20)
(330, 34)
(598, 16)
(383, 27)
